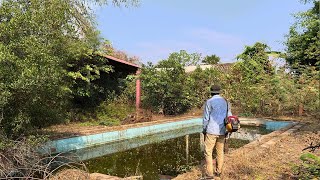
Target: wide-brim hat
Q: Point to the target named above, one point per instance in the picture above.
(215, 89)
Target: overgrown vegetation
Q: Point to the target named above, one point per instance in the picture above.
(51, 72)
(303, 39)
(49, 67)
(166, 86)
(253, 85)
(310, 168)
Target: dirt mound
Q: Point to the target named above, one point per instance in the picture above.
(141, 116)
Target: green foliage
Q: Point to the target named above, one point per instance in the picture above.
(181, 58)
(47, 58)
(39, 41)
(88, 76)
(34, 48)
(200, 82)
(254, 63)
(249, 84)
(255, 88)
(128, 89)
(166, 87)
(112, 113)
(213, 59)
(303, 39)
(252, 86)
(310, 168)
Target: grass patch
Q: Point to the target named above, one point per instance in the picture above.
(310, 168)
(106, 122)
(237, 143)
(109, 114)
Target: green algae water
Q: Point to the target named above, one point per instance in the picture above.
(169, 153)
(170, 157)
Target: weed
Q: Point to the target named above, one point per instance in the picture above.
(310, 168)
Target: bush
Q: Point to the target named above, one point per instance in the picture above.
(310, 168)
(112, 113)
(166, 87)
(255, 88)
(200, 82)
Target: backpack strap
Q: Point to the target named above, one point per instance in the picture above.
(227, 134)
(226, 118)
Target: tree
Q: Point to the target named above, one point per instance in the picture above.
(254, 62)
(303, 39)
(166, 86)
(182, 57)
(213, 59)
(39, 41)
(200, 81)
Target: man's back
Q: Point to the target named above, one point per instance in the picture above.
(214, 114)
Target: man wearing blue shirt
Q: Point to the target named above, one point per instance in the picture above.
(215, 111)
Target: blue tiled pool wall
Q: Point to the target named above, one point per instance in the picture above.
(109, 148)
(275, 125)
(66, 145)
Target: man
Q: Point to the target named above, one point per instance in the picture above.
(215, 111)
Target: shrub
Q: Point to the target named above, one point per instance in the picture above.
(166, 87)
(112, 113)
(310, 168)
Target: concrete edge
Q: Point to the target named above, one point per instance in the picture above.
(86, 141)
(272, 138)
(80, 142)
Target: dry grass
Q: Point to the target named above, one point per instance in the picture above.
(71, 174)
(195, 173)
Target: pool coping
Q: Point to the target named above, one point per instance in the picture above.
(272, 138)
(129, 132)
(80, 142)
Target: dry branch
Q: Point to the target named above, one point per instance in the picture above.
(21, 160)
(312, 147)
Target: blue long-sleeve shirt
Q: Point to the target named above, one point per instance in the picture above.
(214, 113)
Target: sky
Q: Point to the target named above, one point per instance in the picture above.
(157, 28)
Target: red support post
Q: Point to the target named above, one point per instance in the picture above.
(138, 90)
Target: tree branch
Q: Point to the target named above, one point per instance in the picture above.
(312, 147)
